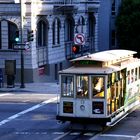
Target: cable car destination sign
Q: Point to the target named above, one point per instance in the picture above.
(79, 39)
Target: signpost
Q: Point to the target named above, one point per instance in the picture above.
(79, 39)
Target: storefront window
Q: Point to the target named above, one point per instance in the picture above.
(82, 86)
(67, 86)
(98, 86)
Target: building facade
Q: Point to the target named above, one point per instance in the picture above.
(55, 24)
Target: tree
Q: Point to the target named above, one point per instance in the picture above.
(128, 25)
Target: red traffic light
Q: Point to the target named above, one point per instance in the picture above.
(75, 49)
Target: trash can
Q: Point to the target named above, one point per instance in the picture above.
(10, 81)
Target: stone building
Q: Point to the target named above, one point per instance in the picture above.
(55, 24)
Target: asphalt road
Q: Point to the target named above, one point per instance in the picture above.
(26, 116)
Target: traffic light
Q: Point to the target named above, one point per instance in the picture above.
(17, 36)
(30, 35)
(75, 49)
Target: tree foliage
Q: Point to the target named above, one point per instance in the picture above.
(128, 25)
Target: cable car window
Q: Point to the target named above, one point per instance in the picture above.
(136, 74)
(132, 76)
(67, 86)
(98, 87)
(82, 86)
(139, 72)
(128, 77)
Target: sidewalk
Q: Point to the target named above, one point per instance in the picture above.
(43, 88)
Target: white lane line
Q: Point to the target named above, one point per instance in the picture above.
(5, 94)
(58, 133)
(113, 135)
(27, 110)
(61, 136)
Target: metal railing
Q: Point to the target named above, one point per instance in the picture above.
(41, 55)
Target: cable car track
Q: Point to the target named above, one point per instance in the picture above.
(77, 135)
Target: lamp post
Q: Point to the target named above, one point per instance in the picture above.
(22, 55)
(21, 49)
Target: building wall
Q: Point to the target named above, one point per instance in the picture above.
(55, 56)
(104, 25)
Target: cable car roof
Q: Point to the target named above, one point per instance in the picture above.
(90, 70)
(106, 56)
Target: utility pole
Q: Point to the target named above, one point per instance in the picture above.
(22, 55)
(21, 45)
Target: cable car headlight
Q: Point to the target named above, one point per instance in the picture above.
(82, 107)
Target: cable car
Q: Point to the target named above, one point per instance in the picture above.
(100, 88)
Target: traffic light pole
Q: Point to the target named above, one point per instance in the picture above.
(22, 55)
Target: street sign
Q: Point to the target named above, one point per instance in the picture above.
(79, 39)
(21, 46)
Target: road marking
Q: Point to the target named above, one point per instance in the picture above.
(75, 133)
(27, 110)
(5, 94)
(31, 133)
(113, 135)
(58, 133)
(60, 137)
(89, 134)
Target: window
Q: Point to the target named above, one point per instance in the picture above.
(56, 32)
(91, 25)
(56, 72)
(116, 90)
(139, 72)
(42, 33)
(80, 26)
(60, 66)
(113, 7)
(53, 32)
(98, 87)
(12, 28)
(82, 86)
(69, 29)
(0, 35)
(67, 86)
(136, 74)
(128, 77)
(132, 76)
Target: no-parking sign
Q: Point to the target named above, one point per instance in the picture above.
(79, 39)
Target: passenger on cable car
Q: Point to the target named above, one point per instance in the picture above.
(98, 87)
(83, 90)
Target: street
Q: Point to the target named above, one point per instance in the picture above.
(26, 116)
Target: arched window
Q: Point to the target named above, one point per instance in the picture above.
(56, 31)
(91, 25)
(12, 28)
(69, 29)
(81, 23)
(42, 32)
